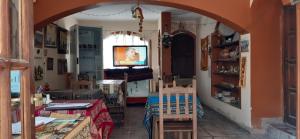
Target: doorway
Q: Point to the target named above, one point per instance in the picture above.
(289, 65)
(183, 55)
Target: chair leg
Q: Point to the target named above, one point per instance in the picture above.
(189, 135)
(180, 135)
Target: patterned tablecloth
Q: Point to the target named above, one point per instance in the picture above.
(64, 129)
(152, 109)
(101, 122)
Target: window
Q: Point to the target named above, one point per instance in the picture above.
(15, 67)
(119, 39)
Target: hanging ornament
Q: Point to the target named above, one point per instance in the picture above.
(166, 40)
(137, 13)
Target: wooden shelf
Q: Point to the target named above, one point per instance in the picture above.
(227, 60)
(222, 87)
(232, 104)
(235, 43)
(218, 78)
(228, 74)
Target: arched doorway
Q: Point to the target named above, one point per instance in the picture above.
(183, 55)
(242, 16)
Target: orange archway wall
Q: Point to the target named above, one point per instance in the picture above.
(262, 19)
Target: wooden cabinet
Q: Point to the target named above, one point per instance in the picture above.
(225, 71)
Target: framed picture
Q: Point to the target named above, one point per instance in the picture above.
(204, 53)
(62, 66)
(50, 63)
(50, 36)
(244, 44)
(242, 72)
(62, 40)
(38, 73)
(38, 39)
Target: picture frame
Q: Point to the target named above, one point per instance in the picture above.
(62, 40)
(62, 66)
(244, 44)
(204, 54)
(50, 40)
(38, 39)
(50, 62)
(38, 73)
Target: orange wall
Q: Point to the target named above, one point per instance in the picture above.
(266, 60)
(262, 20)
(51, 10)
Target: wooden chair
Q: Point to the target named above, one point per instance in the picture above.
(83, 84)
(170, 121)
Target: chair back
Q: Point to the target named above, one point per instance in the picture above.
(82, 84)
(177, 103)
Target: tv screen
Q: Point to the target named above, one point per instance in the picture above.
(133, 55)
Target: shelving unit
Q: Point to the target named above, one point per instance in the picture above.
(225, 71)
(86, 51)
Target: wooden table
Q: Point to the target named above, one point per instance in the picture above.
(101, 122)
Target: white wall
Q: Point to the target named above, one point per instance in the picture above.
(50, 76)
(240, 116)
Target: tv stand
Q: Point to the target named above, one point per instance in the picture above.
(130, 67)
(133, 74)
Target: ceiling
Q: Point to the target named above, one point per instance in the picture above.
(122, 12)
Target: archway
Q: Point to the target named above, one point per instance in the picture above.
(49, 11)
(239, 15)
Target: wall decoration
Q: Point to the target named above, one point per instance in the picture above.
(244, 45)
(50, 36)
(242, 72)
(204, 54)
(38, 39)
(62, 40)
(50, 63)
(38, 73)
(62, 66)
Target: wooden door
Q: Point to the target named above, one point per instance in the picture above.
(183, 55)
(16, 43)
(290, 67)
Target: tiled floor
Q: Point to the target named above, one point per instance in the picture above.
(212, 126)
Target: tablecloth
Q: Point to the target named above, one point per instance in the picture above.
(101, 123)
(152, 109)
(63, 129)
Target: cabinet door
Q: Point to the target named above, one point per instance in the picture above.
(90, 51)
(138, 88)
(98, 54)
(73, 50)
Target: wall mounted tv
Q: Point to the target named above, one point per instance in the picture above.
(130, 55)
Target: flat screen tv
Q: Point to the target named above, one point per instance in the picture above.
(130, 55)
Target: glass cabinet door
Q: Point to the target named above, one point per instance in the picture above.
(16, 43)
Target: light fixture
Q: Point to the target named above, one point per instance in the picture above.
(137, 13)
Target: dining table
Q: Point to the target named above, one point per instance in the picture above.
(152, 110)
(101, 124)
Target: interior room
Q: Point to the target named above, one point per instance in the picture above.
(152, 69)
